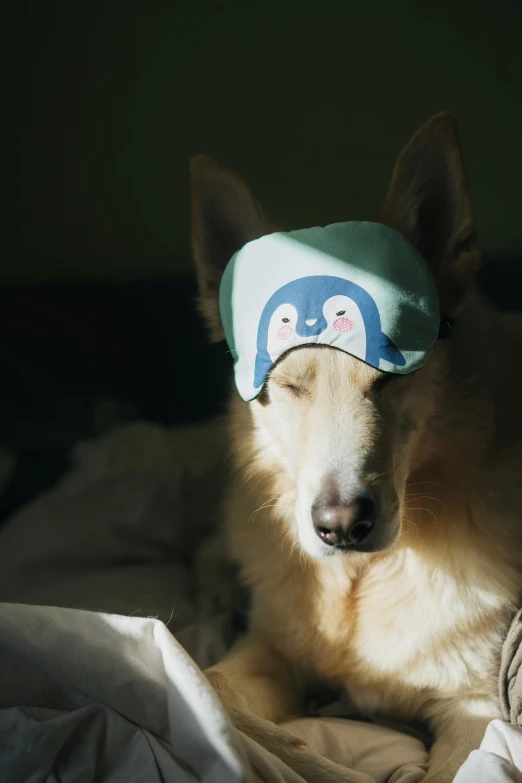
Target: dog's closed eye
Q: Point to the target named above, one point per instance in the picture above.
(294, 387)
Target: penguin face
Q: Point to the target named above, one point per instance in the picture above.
(340, 317)
(321, 309)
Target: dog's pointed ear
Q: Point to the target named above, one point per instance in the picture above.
(429, 202)
(225, 216)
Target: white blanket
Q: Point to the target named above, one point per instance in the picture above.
(108, 698)
(110, 694)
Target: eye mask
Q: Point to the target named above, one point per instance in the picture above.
(359, 287)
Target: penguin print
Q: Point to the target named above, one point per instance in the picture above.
(326, 310)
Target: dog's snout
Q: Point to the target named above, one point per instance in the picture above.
(344, 525)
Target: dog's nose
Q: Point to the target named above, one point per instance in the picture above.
(345, 525)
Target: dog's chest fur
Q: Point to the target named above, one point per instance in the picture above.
(400, 630)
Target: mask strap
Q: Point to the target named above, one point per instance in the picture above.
(445, 328)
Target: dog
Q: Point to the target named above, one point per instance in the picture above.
(407, 613)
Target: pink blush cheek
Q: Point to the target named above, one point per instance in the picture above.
(284, 332)
(342, 324)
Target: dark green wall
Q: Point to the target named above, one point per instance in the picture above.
(310, 102)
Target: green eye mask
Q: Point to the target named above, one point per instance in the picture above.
(359, 287)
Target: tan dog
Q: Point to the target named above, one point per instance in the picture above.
(409, 614)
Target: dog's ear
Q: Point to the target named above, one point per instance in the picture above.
(225, 216)
(429, 202)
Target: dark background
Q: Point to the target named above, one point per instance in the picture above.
(311, 102)
(105, 104)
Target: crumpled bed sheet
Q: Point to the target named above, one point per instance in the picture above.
(111, 698)
(96, 580)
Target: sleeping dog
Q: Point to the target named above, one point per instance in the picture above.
(376, 516)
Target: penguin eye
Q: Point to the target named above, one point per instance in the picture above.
(286, 320)
(341, 312)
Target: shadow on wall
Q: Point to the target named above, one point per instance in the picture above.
(109, 99)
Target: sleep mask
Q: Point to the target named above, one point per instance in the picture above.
(359, 287)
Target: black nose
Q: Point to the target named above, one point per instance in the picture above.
(345, 525)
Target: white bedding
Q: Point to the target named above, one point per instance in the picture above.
(109, 694)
